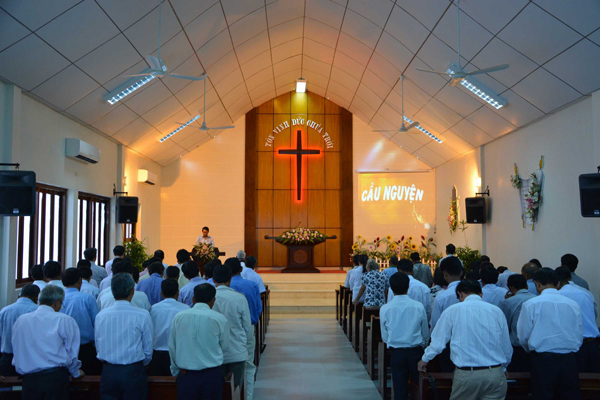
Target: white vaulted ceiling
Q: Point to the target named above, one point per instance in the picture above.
(69, 53)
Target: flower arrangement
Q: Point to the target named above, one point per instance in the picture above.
(533, 198)
(385, 247)
(453, 215)
(204, 252)
(300, 236)
(515, 180)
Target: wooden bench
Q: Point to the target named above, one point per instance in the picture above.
(365, 322)
(356, 317)
(346, 309)
(373, 339)
(337, 304)
(383, 370)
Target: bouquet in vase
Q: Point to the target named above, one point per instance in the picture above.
(205, 252)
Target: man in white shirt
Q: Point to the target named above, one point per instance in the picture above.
(162, 316)
(571, 262)
(52, 272)
(551, 327)
(349, 273)
(86, 286)
(107, 299)
(182, 256)
(234, 307)
(588, 356)
(450, 250)
(192, 273)
(98, 273)
(124, 337)
(241, 255)
(417, 290)
(205, 238)
(479, 345)
(47, 361)
(118, 252)
(250, 273)
(505, 273)
(198, 339)
(37, 274)
(528, 270)
(405, 330)
(491, 293)
(355, 281)
(26, 303)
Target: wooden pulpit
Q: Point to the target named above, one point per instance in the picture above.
(300, 257)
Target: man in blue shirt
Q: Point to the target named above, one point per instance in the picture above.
(245, 287)
(151, 286)
(392, 269)
(27, 303)
(528, 271)
(191, 272)
(83, 309)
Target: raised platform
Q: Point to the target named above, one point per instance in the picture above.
(303, 293)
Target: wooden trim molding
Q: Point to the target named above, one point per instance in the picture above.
(250, 242)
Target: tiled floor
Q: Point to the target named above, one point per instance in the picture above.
(311, 359)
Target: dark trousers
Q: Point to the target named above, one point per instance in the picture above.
(123, 382)
(404, 364)
(588, 357)
(521, 360)
(6, 367)
(446, 364)
(200, 385)
(89, 363)
(160, 364)
(553, 375)
(49, 384)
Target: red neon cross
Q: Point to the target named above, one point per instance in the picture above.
(299, 152)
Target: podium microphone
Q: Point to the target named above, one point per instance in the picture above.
(298, 224)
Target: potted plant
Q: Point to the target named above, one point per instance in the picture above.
(136, 250)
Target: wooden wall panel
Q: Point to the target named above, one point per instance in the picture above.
(265, 170)
(332, 171)
(280, 254)
(283, 138)
(264, 248)
(332, 108)
(250, 208)
(264, 213)
(347, 197)
(333, 251)
(264, 129)
(332, 126)
(316, 209)
(299, 210)
(315, 139)
(281, 209)
(266, 107)
(316, 104)
(299, 103)
(281, 104)
(332, 209)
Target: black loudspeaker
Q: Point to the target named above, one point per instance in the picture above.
(589, 195)
(476, 210)
(17, 193)
(127, 210)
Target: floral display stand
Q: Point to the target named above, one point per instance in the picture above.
(530, 194)
(300, 243)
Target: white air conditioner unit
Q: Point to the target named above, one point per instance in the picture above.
(145, 176)
(82, 151)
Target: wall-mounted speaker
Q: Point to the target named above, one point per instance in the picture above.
(476, 210)
(589, 195)
(127, 210)
(17, 193)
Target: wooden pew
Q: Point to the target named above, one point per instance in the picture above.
(383, 365)
(356, 318)
(367, 314)
(346, 309)
(373, 339)
(337, 303)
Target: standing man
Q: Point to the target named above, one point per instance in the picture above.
(528, 271)
(37, 274)
(98, 273)
(26, 303)
(511, 307)
(479, 345)
(124, 343)
(421, 272)
(86, 286)
(250, 273)
(355, 281)
(182, 256)
(452, 270)
(160, 256)
(52, 271)
(106, 297)
(47, 361)
(392, 269)
(450, 252)
(192, 273)
(196, 344)
(151, 286)
(118, 252)
(356, 264)
(491, 293)
(551, 327)
(205, 238)
(417, 290)
(405, 330)
(571, 262)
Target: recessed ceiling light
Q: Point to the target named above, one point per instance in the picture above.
(180, 128)
(300, 85)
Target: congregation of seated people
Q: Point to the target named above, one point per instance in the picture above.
(125, 325)
(482, 324)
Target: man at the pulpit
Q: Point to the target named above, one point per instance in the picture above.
(205, 238)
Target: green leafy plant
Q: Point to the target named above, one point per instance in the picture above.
(137, 251)
(467, 256)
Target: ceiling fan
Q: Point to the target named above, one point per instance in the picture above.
(157, 65)
(403, 127)
(458, 74)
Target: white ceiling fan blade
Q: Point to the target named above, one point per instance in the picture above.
(488, 70)
(154, 63)
(410, 126)
(434, 72)
(188, 77)
(222, 127)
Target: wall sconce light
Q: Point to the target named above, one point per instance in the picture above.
(478, 182)
(300, 85)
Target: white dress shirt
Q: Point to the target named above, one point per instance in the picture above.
(124, 334)
(587, 304)
(186, 293)
(252, 275)
(108, 267)
(105, 284)
(8, 316)
(348, 275)
(503, 278)
(493, 294)
(57, 282)
(45, 339)
(550, 323)
(442, 301)
(417, 291)
(208, 239)
(477, 332)
(448, 256)
(404, 323)
(41, 284)
(234, 306)
(87, 287)
(139, 300)
(355, 282)
(162, 316)
(98, 273)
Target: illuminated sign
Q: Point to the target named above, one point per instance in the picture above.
(299, 121)
(392, 193)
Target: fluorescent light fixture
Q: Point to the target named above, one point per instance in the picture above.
(180, 128)
(480, 90)
(300, 86)
(425, 131)
(127, 88)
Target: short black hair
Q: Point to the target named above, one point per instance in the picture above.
(485, 265)
(84, 264)
(121, 285)
(52, 269)
(452, 266)
(468, 287)
(251, 262)
(484, 258)
(222, 273)
(489, 275)
(394, 261)
(569, 261)
(159, 254)
(135, 274)
(204, 293)
(414, 256)
(517, 281)
(546, 276)
(173, 273)
(536, 262)
(530, 269)
(123, 266)
(182, 256)
(563, 274)
(206, 227)
(209, 269)
(30, 291)
(190, 269)
(71, 276)
(438, 277)
(472, 275)
(363, 259)
(355, 259)
(399, 283)
(405, 265)
(169, 287)
(90, 253)
(145, 264)
(119, 251)
(235, 265)
(37, 272)
(476, 266)
(86, 273)
(450, 248)
(501, 269)
(156, 268)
